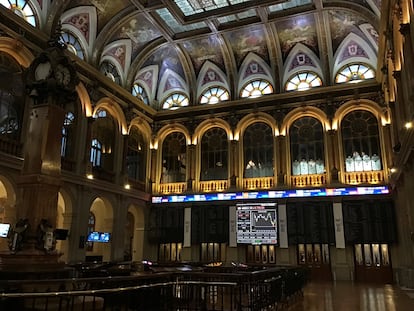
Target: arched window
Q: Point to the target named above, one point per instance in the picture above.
(21, 8)
(66, 130)
(175, 101)
(354, 73)
(96, 153)
(91, 228)
(72, 44)
(256, 88)
(135, 160)
(307, 147)
(12, 95)
(302, 81)
(258, 151)
(174, 158)
(139, 92)
(214, 95)
(214, 155)
(361, 143)
(109, 70)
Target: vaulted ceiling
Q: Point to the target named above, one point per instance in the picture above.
(184, 46)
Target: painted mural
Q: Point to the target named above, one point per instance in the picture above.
(165, 58)
(105, 9)
(248, 40)
(344, 22)
(298, 29)
(204, 49)
(139, 30)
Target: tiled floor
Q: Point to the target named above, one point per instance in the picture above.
(347, 296)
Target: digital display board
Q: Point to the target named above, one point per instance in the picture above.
(273, 194)
(103, 237)
(256, 223)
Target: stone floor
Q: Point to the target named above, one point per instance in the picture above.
(348, 296)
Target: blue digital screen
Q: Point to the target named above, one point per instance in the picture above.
(273, 194)
(103, 237)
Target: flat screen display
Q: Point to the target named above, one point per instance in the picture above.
(102, 237)
(257, 223)
(4, 230)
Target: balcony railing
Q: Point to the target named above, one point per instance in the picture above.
(174, 187)
(365, 177)
(10, 146)
(314, 180)
(213, 185)
(258, 183)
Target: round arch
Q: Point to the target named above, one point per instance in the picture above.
(360, 104)
(116, 112)
(304, 112)
(17, 50)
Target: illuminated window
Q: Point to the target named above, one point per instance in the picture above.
(135, 158)
(214, 155)
(96, 153)
(354, 73)
(109, 70)
(139, 92)
(256, 89)
(258, 151)
(174, 158)
(214, 95)
(66, 129)
(72, 44)
(175, 101)
(302, 81)
(21, 8)
(101, 113)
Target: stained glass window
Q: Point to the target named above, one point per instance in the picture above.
(302, 81)
(257, 88)
(139, 92)
(21, 8)
(73, 44)
(175, 101)
(214, 95)
(354, 73)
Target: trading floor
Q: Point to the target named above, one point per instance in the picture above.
(348, 296)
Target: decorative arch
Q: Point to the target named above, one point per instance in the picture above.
(306, 111)
(252, 68)
(253, 118)
(143, 126)
(360, 104)
(81, 22)
(210, 75)
(84, 99)
(148, 77)
(301, 58)
(17, 50)
(116, 112)
(170, 83)
(168, 129)
(119, 54)
(208, 124)
(353, 49)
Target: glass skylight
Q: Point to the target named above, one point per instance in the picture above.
(288, 5)
(177, 27)
(192, 7)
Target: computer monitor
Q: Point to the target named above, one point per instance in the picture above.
(4, 230)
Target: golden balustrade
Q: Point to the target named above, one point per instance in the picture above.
(313, 180)
(173, 187)
(258, 183)
(364, 177)
(213, 185)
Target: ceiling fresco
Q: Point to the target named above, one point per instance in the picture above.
(178, 37)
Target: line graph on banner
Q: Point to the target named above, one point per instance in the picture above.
(263, 220)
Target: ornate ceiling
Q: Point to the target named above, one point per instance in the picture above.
(185, 46)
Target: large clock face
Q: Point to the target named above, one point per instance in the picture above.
(43, 71)
(62, 75)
